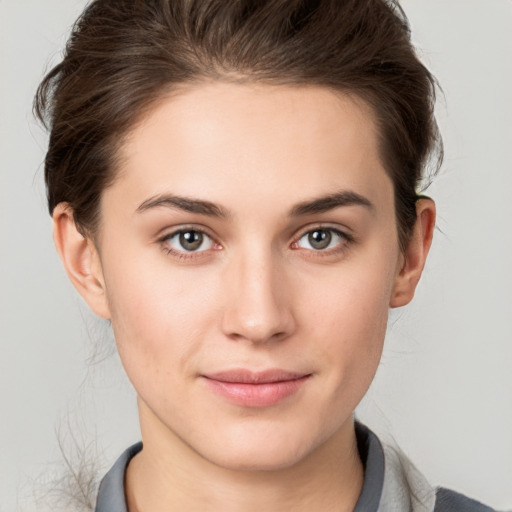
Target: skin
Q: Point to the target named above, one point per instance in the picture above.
(256, 294)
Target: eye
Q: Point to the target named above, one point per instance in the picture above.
(188, 240)
(321, 239)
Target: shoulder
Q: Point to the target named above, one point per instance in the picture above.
(405, 488)
(451, 501)
(111, 495)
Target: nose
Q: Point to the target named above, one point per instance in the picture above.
(257, 308)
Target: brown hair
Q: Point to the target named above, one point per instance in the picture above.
(123, 55)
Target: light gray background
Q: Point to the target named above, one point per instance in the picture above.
(444, 389)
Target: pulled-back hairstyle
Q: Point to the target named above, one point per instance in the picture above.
(123, 55)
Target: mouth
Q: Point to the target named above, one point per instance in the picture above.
(255, 389)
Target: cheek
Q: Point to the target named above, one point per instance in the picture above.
(158, 317)
(353, 331)
(350, 314)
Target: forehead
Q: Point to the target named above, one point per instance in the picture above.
(225, 142)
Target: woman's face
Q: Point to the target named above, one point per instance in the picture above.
(249, 256)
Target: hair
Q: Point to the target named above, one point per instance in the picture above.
(125, 55)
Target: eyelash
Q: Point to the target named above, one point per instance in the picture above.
(184, 254)
(345, 241)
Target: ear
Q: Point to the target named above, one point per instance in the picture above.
(415, 254)
(81, 260)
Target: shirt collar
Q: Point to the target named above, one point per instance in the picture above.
(111, 495)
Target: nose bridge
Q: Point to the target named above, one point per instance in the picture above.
(257, 307)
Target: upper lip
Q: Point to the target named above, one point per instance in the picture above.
(244, 376)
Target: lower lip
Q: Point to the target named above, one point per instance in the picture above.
(256, 395)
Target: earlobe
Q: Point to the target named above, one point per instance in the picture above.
(415, 254)
(80, 259)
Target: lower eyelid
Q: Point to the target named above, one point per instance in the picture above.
(181, 254)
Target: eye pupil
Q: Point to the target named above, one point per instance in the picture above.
(191, 240)
(320, 238)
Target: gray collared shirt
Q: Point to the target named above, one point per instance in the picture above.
(391, 483)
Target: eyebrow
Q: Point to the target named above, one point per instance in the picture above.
(330, 202)
(318, 205)
(184, 203)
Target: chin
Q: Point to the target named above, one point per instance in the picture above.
(261, 449)
(266, 459)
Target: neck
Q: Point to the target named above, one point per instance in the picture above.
(168, 475)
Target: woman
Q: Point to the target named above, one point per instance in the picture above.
(234, 186)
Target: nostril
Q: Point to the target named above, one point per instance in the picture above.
(258, 334)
